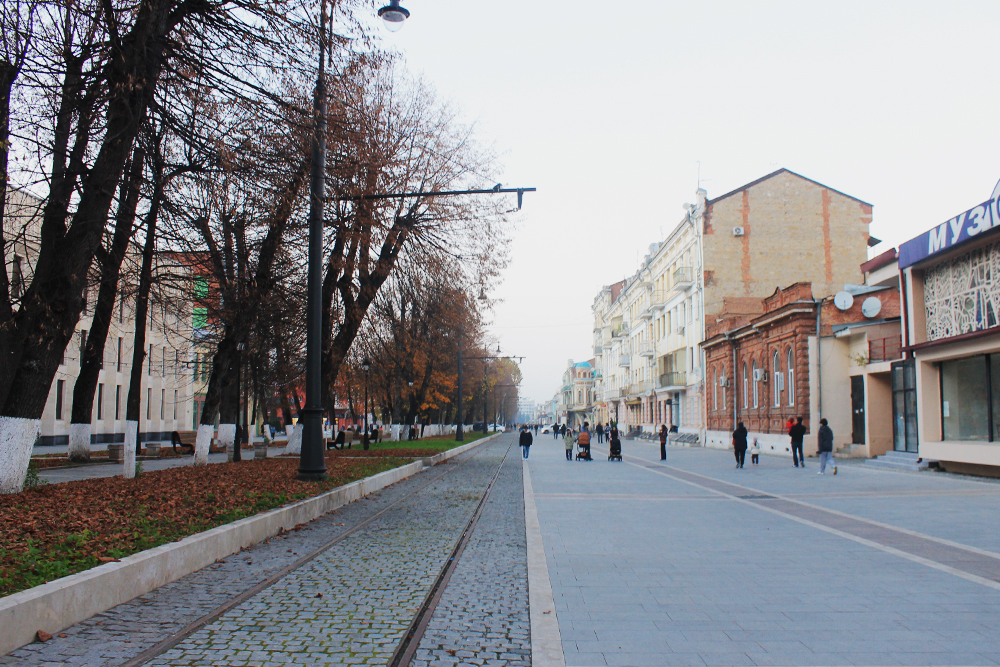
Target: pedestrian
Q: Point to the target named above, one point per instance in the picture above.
(599, 429)
(797, 432)
(341, 439)
(663, 442)
(525, 441)
(740, 444)
(613, 432)
(789, 424)
(568, 441)
(755, 452)
(555, 431)
(562, 430)
(825, 438)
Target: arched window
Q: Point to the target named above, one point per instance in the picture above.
(724, 376)
(746, 403)
(756, 400)
(790, 364)
(775, 374)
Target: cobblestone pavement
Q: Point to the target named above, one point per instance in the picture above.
(371, 584)
(698, 563)
(482, 618)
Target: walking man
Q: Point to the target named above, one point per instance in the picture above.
(525, 441)
(825, 437)
(599, 429)
(797, 432)
(740, 444)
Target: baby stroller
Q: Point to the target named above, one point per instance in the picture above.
(616, 450)
(583, 442)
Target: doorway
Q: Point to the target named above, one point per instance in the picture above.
(858, 409)
(904, 406)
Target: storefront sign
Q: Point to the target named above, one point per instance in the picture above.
(957, 231)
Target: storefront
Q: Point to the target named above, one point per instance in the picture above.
(946, 394)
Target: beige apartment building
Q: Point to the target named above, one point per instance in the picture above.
(167, 373)
(721, 259)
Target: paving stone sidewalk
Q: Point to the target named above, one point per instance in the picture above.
(482, 618)
(370, 583)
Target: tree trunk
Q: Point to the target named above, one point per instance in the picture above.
(229, 409)
(133, 403)
(93, 356)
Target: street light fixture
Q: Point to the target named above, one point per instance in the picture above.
(393, 16)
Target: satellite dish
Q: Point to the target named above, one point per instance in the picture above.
(871, 307)
(843, 300)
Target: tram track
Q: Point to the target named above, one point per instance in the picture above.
(412, 637)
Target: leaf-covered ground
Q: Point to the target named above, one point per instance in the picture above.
(56, 530)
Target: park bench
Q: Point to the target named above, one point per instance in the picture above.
(183, 439)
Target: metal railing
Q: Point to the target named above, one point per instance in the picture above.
(885, 349)
(683, 277)
(673, 380)
(637, 388)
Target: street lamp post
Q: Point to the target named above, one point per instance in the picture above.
(366, 366)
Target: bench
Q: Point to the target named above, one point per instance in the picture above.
(183, 439)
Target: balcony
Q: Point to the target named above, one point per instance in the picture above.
(623, 392)
(673, 380)
(885, 349)
(647, 350)
(625, 360)
(683, 278)
(598, 350)
(637, 388)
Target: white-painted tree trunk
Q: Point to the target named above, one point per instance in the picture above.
(17, 438)
(79, 442)
(294, 445)
(131, 437)
(202, 444)
(227, 438)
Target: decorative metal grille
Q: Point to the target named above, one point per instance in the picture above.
(963, 294)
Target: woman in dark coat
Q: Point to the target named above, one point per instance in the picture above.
(740, 444)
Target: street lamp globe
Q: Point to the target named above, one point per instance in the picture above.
(393, 16)
(366, 365)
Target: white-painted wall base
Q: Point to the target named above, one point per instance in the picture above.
(17, 437)
(202, 444)
(128, 453)
(79, 443)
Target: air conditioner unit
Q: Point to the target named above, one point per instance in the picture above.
(759, 375)
(737, 231)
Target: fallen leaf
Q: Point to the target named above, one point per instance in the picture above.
(62, 634)
(43, 636)
(318, 595)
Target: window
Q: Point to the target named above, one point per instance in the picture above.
(715, 404)
(199, 319)
(579, 397)
(724, 376)
(966, 393)
(60, 388)
(790, 390)
(175, 404)
(776, 378)
(756, 385)
(118, 402)
(201, 287)
(149, 400)
(746, 403)
(16, 278)
(163, 402)
(149, 361)
(119, 354)
(100, 401)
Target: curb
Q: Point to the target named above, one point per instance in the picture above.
(58, 604)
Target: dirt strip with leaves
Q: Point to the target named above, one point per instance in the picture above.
(52, 531)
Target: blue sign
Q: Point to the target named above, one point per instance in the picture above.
(948, 235)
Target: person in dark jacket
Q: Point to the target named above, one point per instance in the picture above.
(740, 444)
(663, 442)
(797, 432)
(825, 438)
(599, 430)
(525, 441)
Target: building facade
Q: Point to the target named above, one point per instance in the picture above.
(718, 263)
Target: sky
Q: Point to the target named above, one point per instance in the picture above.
(614, 110)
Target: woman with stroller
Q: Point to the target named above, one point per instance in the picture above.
(568, 440)
(583, 440)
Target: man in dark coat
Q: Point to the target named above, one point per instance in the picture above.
(825, 441)
(525, 441)
(797, 432)
(740, 444)
(599, 429)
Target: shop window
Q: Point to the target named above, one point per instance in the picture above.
(965, 406)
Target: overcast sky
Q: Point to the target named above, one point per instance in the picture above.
(607, 108)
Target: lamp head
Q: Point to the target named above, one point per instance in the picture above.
(366, 365)
(393, 16)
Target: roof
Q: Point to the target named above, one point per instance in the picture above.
(583, 364)
(886, 258)
(772, 175)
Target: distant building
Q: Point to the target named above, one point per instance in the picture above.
(722, 258)
(578, 393)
